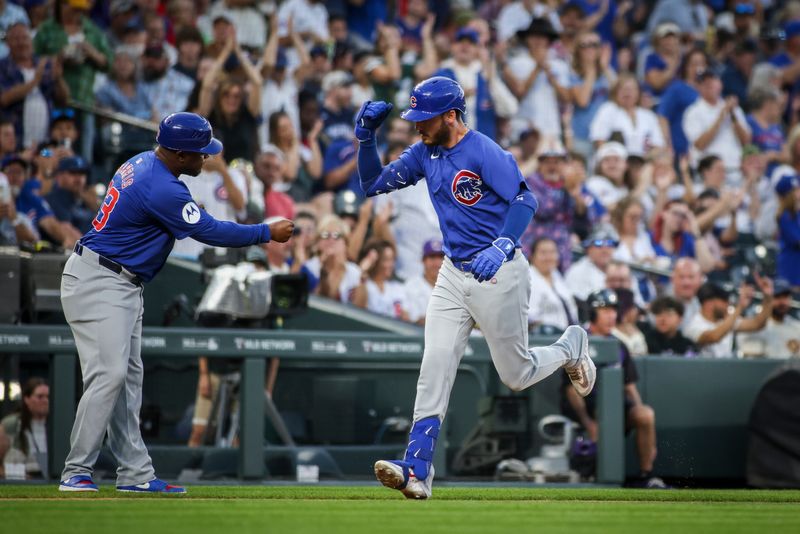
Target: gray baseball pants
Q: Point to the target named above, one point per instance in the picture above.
(500, 308)
(104, 311)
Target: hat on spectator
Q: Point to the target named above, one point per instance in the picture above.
(223, 15)
(747, 46)
(666, 28)
(705, 74)
(346, 203)
(118, 7)
(602, 236)
(625, 299)
(154, 50)
(280, 59)
(318, 50)
(80, 4)
(61, 114)
(744, 8)
(432, 247)
(572, 5)
(710, 290)
(552, 148)
(256, 254)
(531, 130)
(781, 286)
(611, 148)
(73, 164)
(336, 78)
(11, 159)
(539, 26)
(467, 33)
(787, 184)
(792, 29)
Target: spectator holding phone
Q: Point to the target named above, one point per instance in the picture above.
(712, 329)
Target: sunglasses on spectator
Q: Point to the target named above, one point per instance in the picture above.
(603, 243)
(330, 235)
(590, 44)
(46, 153)
(62, 114)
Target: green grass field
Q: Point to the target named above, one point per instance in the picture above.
(376, 510)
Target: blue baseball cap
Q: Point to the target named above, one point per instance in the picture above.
(432, 247)
(281, 60)
(73, 164)
(781, 286)
(792, 29)
(787, 184)
(11, 159)
(744, 8)
(467, 33)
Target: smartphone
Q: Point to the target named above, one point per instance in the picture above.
(5, 193)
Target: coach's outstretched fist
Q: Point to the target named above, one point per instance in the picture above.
(281, 230)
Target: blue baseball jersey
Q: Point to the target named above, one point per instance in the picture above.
(146, 209)
(471, 186)
(31, 204)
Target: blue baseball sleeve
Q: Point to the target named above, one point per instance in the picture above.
(520, 212)
(500, 171)
(172, 206)
(376, 179)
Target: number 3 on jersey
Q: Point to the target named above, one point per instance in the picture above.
(106, 207)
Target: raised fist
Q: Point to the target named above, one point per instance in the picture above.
(369, 117)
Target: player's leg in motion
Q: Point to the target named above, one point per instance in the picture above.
(102, 310)
(124, 435)
(447, 328)
(501, 310)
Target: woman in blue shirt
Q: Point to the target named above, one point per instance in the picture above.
(590, 82)
(788, 189)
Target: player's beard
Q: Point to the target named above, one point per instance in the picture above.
(439, 137)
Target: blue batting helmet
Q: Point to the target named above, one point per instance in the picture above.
(433, 97)
(188, 132)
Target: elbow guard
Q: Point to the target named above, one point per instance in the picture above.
(393, 176)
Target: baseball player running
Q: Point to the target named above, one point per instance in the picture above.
(483, 205)
(145, 210)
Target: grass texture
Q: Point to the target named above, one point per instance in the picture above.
(377, 510)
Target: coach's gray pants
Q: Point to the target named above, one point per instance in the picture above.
(104, 311)
(500, 309)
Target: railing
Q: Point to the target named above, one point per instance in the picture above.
(254, 346)
(115, 116)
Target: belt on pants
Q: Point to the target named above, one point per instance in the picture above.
(111, 265)
(464, 265)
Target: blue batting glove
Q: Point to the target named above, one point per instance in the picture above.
(369, 117)
(488, 261)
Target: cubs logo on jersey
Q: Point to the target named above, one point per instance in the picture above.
(467, 187)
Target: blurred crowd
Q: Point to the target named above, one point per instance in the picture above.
(659, 134)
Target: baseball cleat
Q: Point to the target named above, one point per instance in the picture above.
(154, 486)
(77, 483)
(394, 475)
(583, 373)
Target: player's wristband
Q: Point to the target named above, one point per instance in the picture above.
(504, 245)
(266, 235)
